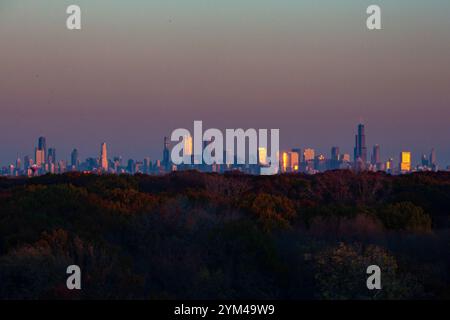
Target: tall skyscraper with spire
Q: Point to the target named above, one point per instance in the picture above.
(360, 151)
(104, 157)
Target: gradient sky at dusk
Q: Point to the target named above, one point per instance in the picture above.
(140, 69)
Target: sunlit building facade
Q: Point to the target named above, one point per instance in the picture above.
(308, 155)
(104, 158)
(262, 156)
(405, 161)
(294, 161)
(39, 158)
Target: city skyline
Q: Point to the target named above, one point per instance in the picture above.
(298, 159)
(139, 69)
(153, 151)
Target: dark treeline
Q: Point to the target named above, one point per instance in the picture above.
(191, 235)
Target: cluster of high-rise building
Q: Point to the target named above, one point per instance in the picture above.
(314, 163)
(44, 161)
(296, 160)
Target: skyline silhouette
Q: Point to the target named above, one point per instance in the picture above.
(137, 70)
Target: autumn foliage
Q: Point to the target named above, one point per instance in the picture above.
(206, 236)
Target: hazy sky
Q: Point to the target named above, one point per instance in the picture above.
(140, 69)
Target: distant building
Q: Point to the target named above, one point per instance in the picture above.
(42, 145)
(308, 155)
(138, 165)
(104, 158)
(131, 168)
(40, 152)
(335, 153)
(390, 166)
(262, 156)
(75, 162)
(188, 146)
(405, 162)
(39, 158)
(61, 166)
(91, 163)
(51, 157)
(27, 162)
(147, 167)
(166, 154)
(299, 151)
(425, 161)
(360, 151)
(294, 161)
(334, 162)
(345, 157)
(433, 159)
(284, 162)
(320, 163)
(18, 163)
(289, 161)
(376, 155)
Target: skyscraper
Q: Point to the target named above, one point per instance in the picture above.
(27, 162)
(360, 151)
(405, 161)
(18, 163)
(147, 165)
(285, 162)
(188, 146)
(335, 158)
(299, 151)
(308, 155)
(104, 157)
(425, 161)
(376, 155)
(335, 153)
(41, 152)
(166, 154)
(51, 157)
(320, 163)
(345, 157)
(74, 158)
(39, 158)
(42, 144)
(131, 168)
(294, 160)
(262, 156)
(390, 165)
(433, 160)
